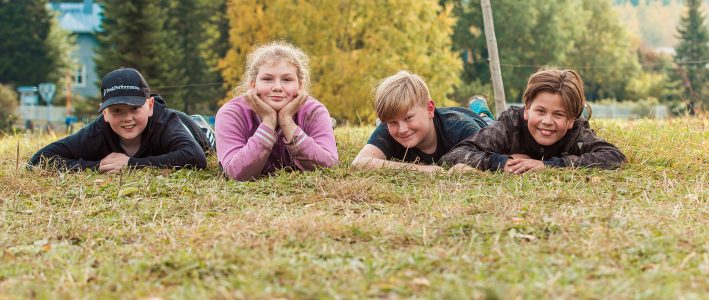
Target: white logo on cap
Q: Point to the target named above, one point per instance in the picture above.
(120, 87)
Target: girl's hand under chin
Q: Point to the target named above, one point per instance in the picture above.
(285, 115)
(288, 111)
(264, 111)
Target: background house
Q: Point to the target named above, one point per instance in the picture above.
(83, 19)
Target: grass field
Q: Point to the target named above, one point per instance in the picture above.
(638, 232)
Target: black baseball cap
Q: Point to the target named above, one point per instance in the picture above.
(123, 86)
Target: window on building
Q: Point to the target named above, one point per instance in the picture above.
(80, 76)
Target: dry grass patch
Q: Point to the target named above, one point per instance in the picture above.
(638, 232)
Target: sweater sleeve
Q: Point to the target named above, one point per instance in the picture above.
(594, 152)
(182, 149)
(486, 150)
(317, 146)
(70, 153)
(242, 156)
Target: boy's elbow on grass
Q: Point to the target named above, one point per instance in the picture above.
(616, 164)
(357, 163)
(555, 162)
(43, 160)
(59, 164)
(201, 162)
(469, 158)
(450, 159)
(32, 163)
(363, 162)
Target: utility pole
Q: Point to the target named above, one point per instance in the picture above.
(500, 103)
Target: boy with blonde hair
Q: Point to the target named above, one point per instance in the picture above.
(547, 132)
(414, 134)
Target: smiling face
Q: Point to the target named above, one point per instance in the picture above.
(547, 119)
(414, 128)
(277, 83)
(128, 121)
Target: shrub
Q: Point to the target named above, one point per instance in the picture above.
(9, 103)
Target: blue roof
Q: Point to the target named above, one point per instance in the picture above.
(26, 88)
(73, 17)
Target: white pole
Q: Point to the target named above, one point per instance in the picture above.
(497, 86)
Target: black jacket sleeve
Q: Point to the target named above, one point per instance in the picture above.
(180, 148)
(593, 152)
(72, 152)
(484, 150)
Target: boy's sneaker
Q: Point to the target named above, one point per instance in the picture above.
(478, 104)
(208, 131)
(587, 112)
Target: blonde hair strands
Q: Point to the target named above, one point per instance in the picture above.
(272, 53)
(398, 93)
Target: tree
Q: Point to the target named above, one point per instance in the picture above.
(215, 45)
(602, 52)
(582, 35)
(656, 79)
(135, 35)
(529, 34)
(693, 53)
(195, 30)
(351, 44)
(33, 49)
(8, 102)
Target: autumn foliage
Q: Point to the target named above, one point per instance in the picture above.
(351, 44)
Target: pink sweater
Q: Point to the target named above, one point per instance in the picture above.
(246, 148)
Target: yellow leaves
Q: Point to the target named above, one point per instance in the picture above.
(351, 44)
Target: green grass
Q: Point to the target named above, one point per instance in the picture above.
(638, 232)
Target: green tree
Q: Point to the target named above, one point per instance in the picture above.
(9, 103)
(193, 26)
(136, 35)
(351, 44)
(583, 35)
(530, 34)
(33, 49)
(215, 45)
(602, 52)
(693, 53)
(657, 79)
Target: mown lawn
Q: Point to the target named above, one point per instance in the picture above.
(638, 232)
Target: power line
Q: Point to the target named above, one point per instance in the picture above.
(188, 85)
(535, 66)
(696, 62)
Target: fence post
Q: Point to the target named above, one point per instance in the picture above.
(497, 86)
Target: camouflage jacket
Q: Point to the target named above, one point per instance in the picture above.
(490, 148)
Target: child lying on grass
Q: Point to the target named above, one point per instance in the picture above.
(274, 123)
(547, 132)
(135, 129)
(414, 133)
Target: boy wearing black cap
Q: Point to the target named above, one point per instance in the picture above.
(135, 129)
